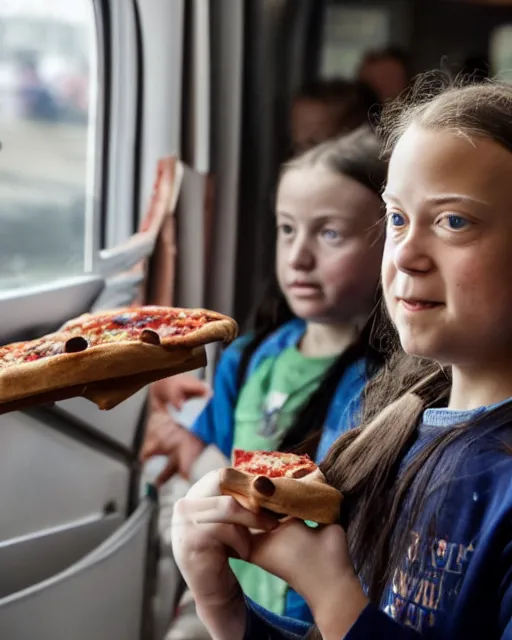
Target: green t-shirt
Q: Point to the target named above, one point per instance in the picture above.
(267, 405)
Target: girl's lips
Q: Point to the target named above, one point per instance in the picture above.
(301, 283)
(304, 289)
(419, 305)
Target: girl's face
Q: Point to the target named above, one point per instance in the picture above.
(329, 245)
(447, 267)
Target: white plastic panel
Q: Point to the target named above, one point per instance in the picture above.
(50, 479)
(33, 310)
(30, 559)
(101, 596)
(119, 423)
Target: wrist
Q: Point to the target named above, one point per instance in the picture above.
(338, 612)
(226, 621)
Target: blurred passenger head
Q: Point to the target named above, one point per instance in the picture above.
(325, 109)
(386, 71)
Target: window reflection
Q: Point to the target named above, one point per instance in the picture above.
(47, 100)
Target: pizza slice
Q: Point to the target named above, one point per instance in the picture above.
(284, 483)
(273, 464)
(108, 356)
(165, 326)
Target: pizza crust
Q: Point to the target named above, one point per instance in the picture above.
(307, 498)
(222, 330)
(106, 393)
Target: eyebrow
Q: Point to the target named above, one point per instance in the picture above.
(321, 215)
(443, 199)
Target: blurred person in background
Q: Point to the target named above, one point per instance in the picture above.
(327, 108)
(387, 71)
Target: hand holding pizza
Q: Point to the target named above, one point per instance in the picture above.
(208, 529)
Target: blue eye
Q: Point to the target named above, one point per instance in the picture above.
(396, 219)
(456, 222)
(331, 234)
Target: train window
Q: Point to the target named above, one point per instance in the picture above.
(501, 52)
(48, 96)
(349, 31)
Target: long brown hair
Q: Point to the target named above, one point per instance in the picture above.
(364, 464)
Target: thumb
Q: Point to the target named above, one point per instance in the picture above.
(149, 449)
(195, 387)
(187, 388)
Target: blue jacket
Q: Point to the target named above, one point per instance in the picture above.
(215, 425)
(457, 585)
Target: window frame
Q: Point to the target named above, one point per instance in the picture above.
(123, 115)
(97, 139)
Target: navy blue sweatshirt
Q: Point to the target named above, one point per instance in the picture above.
(458, 584)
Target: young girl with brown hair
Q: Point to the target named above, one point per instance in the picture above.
(295, 381)
(425, 546)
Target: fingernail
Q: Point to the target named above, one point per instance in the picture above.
(265, 486)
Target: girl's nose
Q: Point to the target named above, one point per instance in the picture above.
(411, 253)
(300, 257)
